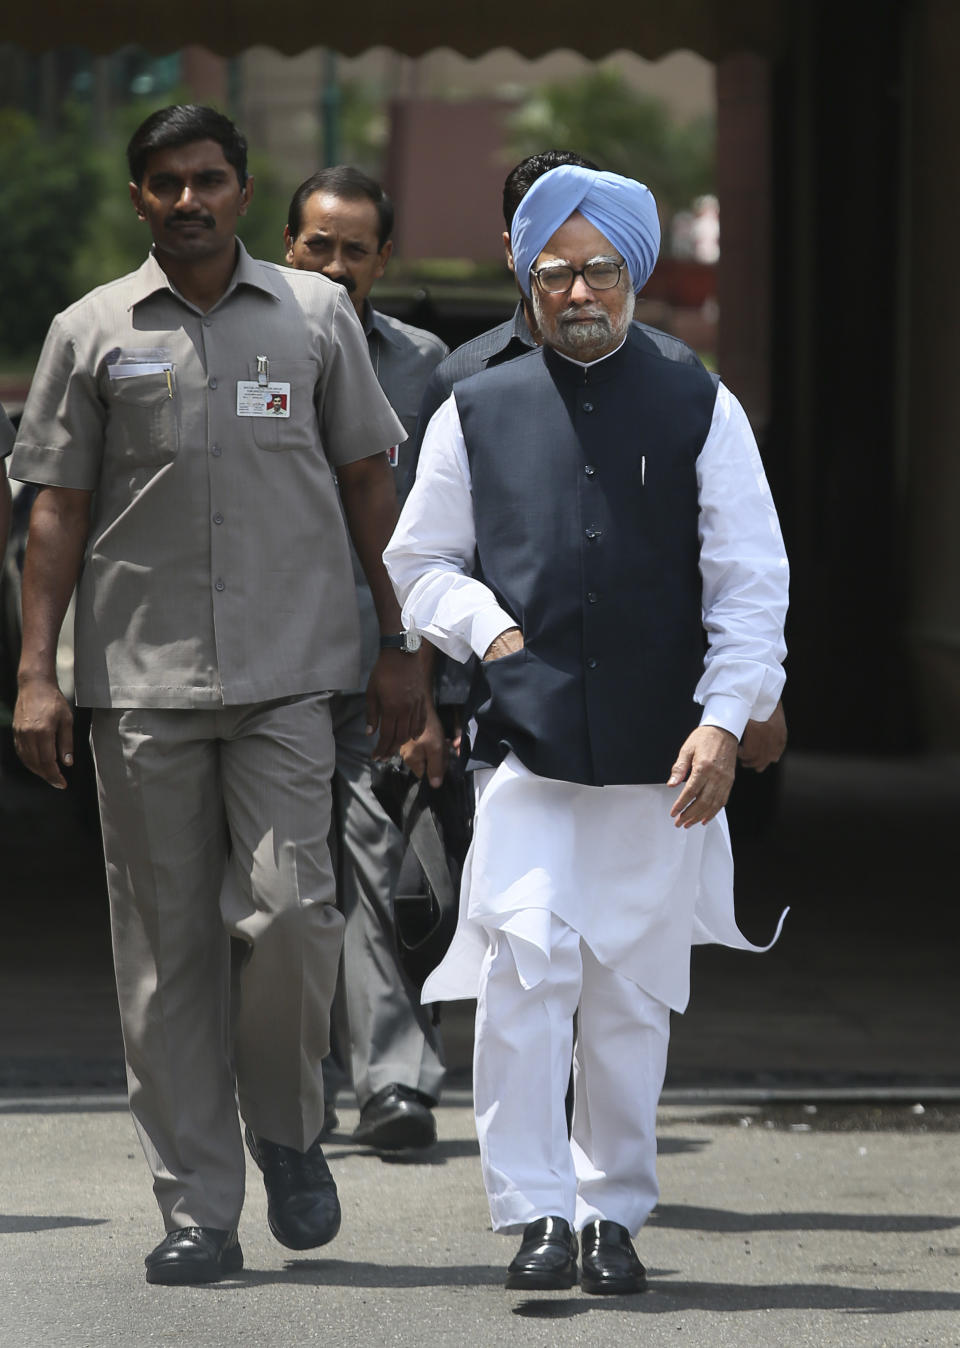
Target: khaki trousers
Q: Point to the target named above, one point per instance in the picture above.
(215, 834)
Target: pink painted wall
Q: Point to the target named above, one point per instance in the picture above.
(445, 168)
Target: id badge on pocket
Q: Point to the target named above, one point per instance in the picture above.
(262, 400)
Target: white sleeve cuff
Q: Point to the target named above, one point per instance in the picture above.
(487, 626)
(729, 713)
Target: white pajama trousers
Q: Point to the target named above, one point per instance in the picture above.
(522, 1054)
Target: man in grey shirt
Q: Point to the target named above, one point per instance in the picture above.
(184, 424)
(6, 444)
(340, 223)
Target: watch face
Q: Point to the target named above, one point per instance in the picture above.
(411, 642)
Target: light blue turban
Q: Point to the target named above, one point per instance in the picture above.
(623, 210)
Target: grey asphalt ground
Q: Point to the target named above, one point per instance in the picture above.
(810, 1175)
(777, 1226)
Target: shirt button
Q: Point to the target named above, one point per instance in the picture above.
(591, 663)
(590, 470)
(591, 596)
(592, 534)
(216, 451)
(218, 518)
(212, 382)
(588, 407)
(219, 585)
(208, 322)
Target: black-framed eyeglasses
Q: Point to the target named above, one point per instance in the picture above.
(555, 279)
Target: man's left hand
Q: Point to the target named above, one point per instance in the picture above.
(396, 701)
(706, 765)
(429, 752)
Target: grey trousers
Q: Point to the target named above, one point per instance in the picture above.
(380, 1032)
(215, 830)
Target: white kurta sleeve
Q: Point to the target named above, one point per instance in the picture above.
(431, 554)
(745, 575)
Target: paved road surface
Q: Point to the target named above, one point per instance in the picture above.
(775, 1230)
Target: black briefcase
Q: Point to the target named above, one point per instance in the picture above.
(436, 823)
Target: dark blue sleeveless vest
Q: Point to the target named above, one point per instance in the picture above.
(586, 507)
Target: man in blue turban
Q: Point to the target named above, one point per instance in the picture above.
(591, 519)
(763, 742)
(623, 210)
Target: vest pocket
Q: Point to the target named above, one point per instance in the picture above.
(508, 690)
(533, 706)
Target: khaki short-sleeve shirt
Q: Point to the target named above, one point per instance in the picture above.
(217, 569)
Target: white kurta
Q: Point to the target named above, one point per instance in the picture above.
(608, 861)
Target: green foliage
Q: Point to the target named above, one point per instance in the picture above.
(363, 130)
(261, 229)
(600, 117)
(115, 241)
(364, 126)
(67, 224)
(48, 192)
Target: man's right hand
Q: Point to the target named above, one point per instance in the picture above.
(505, 644)
(43, 730)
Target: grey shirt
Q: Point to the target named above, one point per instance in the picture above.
(403, 359)
(493, 347)
(217, 568)
(6, 434)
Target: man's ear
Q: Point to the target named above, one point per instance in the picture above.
(246, 195)
(288, 244)
(383, 257)
(509, 252)
(134, 189)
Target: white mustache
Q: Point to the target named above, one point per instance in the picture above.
(569, 314)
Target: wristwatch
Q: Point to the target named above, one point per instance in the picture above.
(408, 642)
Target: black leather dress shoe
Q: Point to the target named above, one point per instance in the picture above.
(610, 1263)
(303, 1210)
(331, 1122)
(194, 1254)
(547, 1257)
(397, 1118)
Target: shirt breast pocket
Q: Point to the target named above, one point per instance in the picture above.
(143, 428)
(299, 429)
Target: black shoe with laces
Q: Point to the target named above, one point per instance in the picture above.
(194, 1254)
(331, 1122)
(303, 1210)
(397, 1118)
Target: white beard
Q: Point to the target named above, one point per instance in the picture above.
(583, 341)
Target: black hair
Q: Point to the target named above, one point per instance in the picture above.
(352, 184)
(181, 124)
(521, 178)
